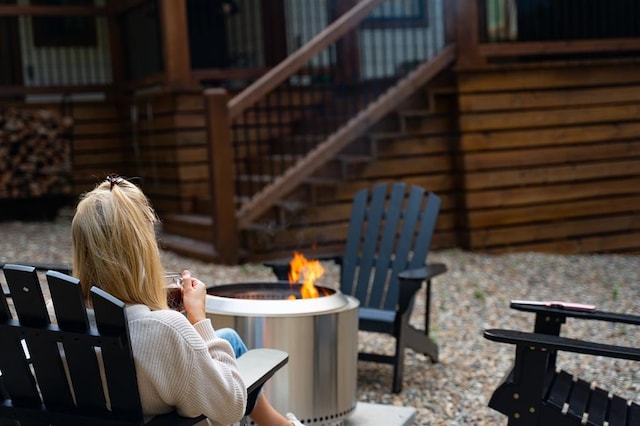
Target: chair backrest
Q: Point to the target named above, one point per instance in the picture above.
(51, 372)
(390, 230)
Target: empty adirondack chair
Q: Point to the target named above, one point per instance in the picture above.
(384, 265)
(35, 389)
(537, 392)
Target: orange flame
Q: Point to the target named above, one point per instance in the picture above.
(309, 270)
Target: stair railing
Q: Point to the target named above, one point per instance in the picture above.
(318, 100)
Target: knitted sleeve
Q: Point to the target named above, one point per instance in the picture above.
(189, 368)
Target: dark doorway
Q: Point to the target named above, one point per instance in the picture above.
(208, 33)
(11, 63)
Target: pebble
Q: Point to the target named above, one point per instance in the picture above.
(473, 295)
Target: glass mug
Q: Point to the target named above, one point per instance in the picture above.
(173, 286)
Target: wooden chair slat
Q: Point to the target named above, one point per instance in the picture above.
(598, 404)
(618, 411)
(82, 362)
(369, 245)
(48, 366)
(579, 398)
(66, 295)
(406, 238)
(44, 354)
(634, 415)
(427, 228)
(354, 237)
(19, 383)
(560, 389)
(120, 372)
(26, 294)
(5, 312)
(382, 288)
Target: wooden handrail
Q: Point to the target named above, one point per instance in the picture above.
(504, 49)
(44, 90)
(119, 6)
(337, 141)
(6, 10)
(300, 57)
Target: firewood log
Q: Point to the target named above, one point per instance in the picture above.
(35, 154)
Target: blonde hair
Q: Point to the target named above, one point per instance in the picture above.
(114, 244)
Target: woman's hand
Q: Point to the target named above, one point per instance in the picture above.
(194, 296)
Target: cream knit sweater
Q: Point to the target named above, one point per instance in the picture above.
(184, 367)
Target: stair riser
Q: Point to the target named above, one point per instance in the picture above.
(189, 230)
(192, 254)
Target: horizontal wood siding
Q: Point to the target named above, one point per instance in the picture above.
(99, 144)
(552, 158)
(169, 138)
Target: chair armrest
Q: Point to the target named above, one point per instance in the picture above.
(581, 314)
(411, 281)
(280, 267)
(258, 365)
(425, 273)
(551, 342)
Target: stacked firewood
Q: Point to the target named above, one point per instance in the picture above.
(35, 154)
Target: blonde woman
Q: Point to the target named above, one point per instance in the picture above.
(182, 362)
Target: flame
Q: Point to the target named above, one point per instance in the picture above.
(309, 271)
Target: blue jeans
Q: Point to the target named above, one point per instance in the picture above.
(232, 336)
(239, 348)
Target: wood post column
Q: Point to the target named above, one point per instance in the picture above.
(468, 33)
(175, 36)
(221, 176)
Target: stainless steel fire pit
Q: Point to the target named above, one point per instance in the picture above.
(321, 336)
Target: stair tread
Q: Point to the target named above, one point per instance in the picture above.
(188, 246)
(194, 219)
(416, 112)
(313, 180)
(291, 206)
(353, 159)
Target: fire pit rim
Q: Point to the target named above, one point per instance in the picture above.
(216, 303)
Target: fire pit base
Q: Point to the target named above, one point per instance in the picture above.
(319, 383)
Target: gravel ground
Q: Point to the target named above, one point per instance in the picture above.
(474, 294)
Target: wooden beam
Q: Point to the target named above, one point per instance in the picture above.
(228, 73)
(28, 90)
(467, 25)
(558, 47)
(116, 52)
(221, 175)
(6, 10)
(450, 23)
(118, 6)
(274, 32)
(175, 35)
(347, 49)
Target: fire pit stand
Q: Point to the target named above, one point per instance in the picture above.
(321, 336)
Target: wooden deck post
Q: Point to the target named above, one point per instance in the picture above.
(221, 174)
(175, 36)
(468, 33)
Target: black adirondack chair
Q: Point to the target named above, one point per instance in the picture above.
(384, 265)
(536, 392)
(35, 389)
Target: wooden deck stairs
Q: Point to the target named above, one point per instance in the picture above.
(316, 209)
